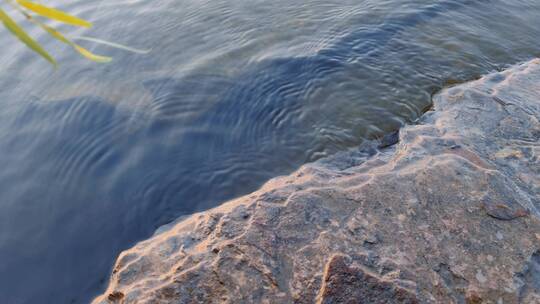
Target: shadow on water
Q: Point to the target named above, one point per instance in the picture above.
(84, 179)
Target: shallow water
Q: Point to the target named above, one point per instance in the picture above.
(95, 157)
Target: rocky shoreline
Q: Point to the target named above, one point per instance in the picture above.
(449, 214)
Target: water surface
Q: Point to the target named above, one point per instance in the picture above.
(95, 157)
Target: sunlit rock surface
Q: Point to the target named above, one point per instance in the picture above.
(447, 215)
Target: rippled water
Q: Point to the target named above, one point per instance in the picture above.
(96, 157)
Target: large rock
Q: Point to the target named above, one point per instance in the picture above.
(448, 215)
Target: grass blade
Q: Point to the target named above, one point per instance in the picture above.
(54, 14)
(23, 36)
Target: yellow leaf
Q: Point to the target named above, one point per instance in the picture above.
(23, 36)
(52, 13)
(86, 53)
(89, 55)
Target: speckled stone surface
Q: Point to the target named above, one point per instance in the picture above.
(449, 214)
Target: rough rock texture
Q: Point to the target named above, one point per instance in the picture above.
(447, 215)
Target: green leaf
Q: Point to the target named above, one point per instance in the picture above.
(54, 14)
(14, 28)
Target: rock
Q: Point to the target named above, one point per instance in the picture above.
(389, 139)
(343, 283)
(115, 296)
(447, 212)
(529, 280)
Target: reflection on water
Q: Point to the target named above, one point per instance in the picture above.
(96, 157)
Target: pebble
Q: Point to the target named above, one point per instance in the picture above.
(480, 277)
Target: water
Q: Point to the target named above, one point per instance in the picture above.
(95, 157)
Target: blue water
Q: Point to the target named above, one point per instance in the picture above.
(95, 157)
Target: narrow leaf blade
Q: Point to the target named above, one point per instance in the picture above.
(91, 56)
(112, 44)
(14, 28)
(86, 53)
(53, 13)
